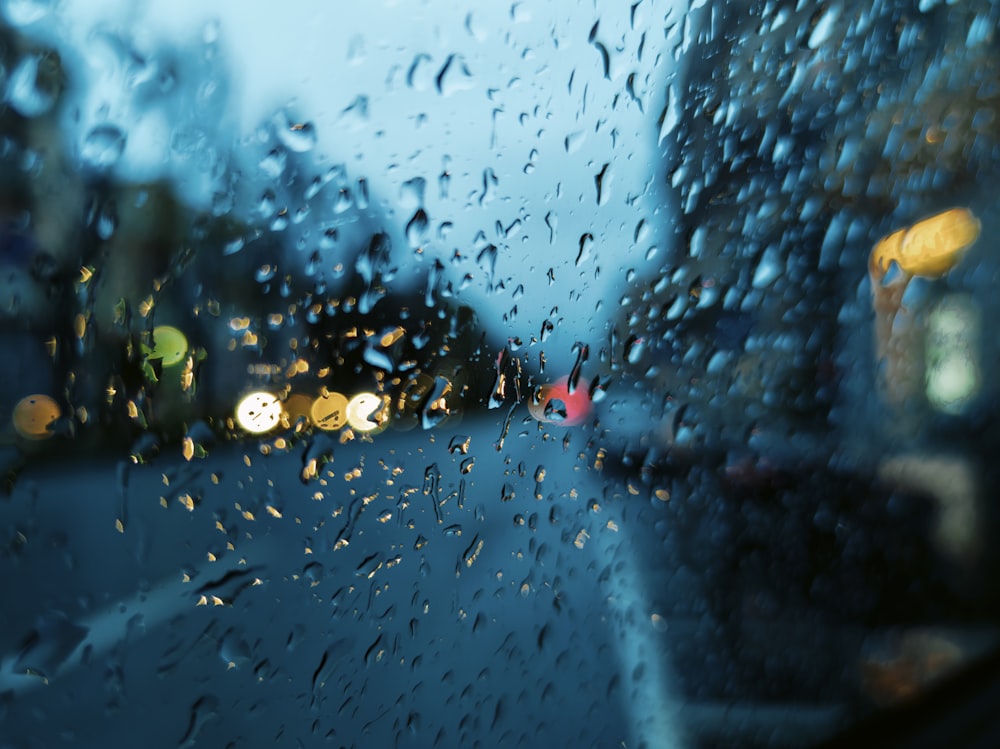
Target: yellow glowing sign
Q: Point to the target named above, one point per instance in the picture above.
(34, 415)
(259, 412)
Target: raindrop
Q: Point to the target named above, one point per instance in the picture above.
(768, 269)
(370, 565)
(555, 410)
(472, 551)
(824, 27)
(328, 663)
(233, 649)
(25, 90)
(314, 264)
(188, 141)
(24, 12)
(203, 710)
(107, 221)
(418, 77)
(361, 199)
(490, 183)
(431, 409)
(313, 572)
(416, 228)
(602, 51)
(343, 201)
(453, 76)
(586, 246)
(411, 192)
(551, 221)
(201, 436)
(374, 652)
(598, 390)
(434, 277)
(298, 137)
(444, 180)
(459, 444)
(635, 347)
(377, 358)
(53, 640)
(274, 163)
(265, 273)
(671, 113)
(487, 260)
(601, 180)
(355, 116)
(233, 246)
(103, 146)
(582, 353)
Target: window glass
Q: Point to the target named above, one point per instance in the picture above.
(538, 374)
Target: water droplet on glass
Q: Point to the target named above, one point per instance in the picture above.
(602, 180)
(107, 221)
(370, 565)
(188, 141)
(487, 261)
(24, 12)
(635, 347)
(233, 649)
(103, 147)
(273, 164)
(454, 76)
(202, 710)
(53, 640)
(671, 113)
(26, 89)
(298, 137)
(582, 351)
(411, 192)
(416, 228)
(355, 117)
(265, 273)
(233, 246)
(459, 444)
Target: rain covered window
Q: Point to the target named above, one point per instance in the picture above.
(415, 374)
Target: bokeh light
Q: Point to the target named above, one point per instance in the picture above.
(258, 412)
(554, 404)
(169, 344)
(329, 411)
(34, 415)
(367, 412)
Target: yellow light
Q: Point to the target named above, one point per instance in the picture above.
(169, 344)
(391, 337)
(929, 248)
(367, 412)
(298, 406)
(934, 246)
(258, 412)
(34, 415)
(329, 411)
